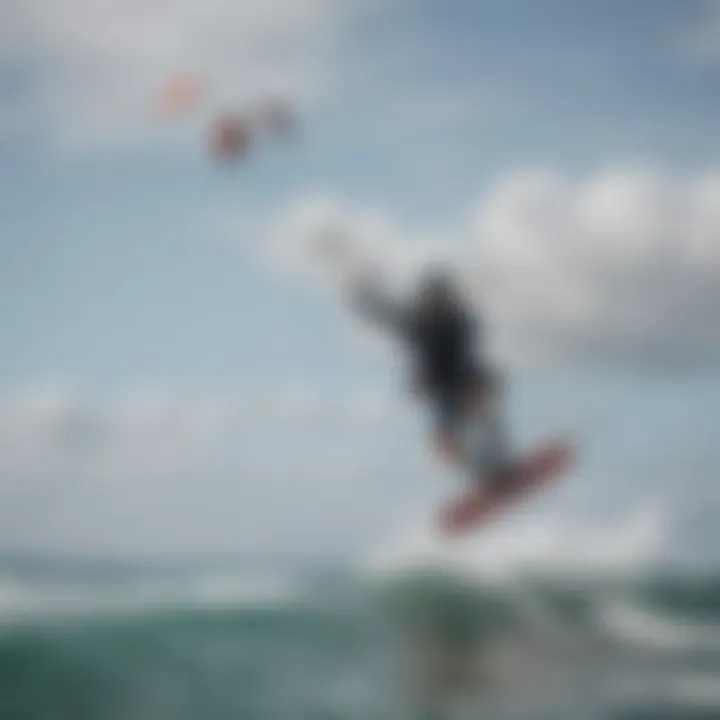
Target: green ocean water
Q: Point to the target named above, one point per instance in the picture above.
(79, 643)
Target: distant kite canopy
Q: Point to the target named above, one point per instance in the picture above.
(231, 134)
(275, 117)
(230, 137)
(180, 95)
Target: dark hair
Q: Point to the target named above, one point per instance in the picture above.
(437, 278)
(438, 283)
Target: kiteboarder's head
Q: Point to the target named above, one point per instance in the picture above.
(437, 288)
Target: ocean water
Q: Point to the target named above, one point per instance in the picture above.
(86, 640)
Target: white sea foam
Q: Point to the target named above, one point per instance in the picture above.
(29, 599)
(634, 624)
(545, 545)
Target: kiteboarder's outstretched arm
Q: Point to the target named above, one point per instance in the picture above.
(375, 304)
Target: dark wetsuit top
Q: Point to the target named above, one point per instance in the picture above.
(442, 342)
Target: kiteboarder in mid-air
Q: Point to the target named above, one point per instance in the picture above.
(443, 335)
(452, 373)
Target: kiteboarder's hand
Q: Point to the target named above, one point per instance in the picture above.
(363, 282)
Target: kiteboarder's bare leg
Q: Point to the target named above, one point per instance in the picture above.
(490, 459)
(454, 412)
(448, 447)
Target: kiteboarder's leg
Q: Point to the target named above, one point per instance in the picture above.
(454, 406)
(446, 436)
(491, 460)
(448, 448)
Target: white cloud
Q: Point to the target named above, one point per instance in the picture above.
(618, 268)
(45, 428)
(48, 431)
(94, 66)
(51, 431)
(170, 472)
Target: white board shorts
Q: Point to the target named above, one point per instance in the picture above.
(486, 444)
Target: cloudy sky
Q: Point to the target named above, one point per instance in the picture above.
(177, 375)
